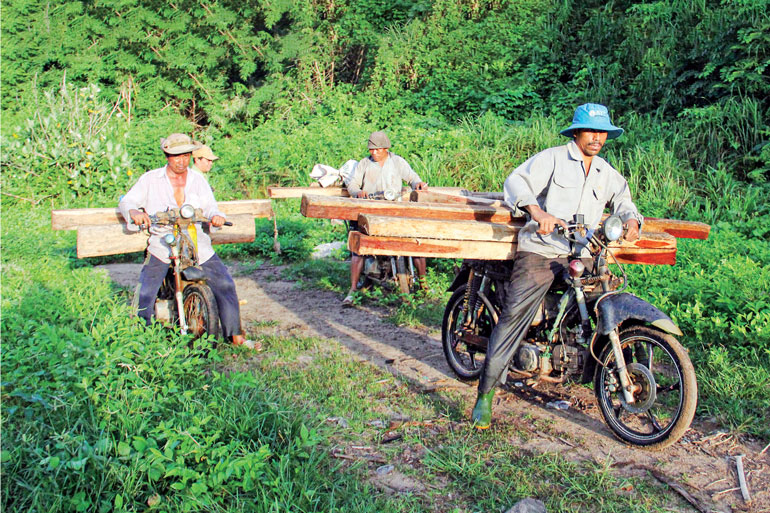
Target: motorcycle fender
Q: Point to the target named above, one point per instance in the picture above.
(462, 277)
(614, 310)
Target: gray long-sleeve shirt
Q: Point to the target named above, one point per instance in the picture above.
(154, 193)
(555, 180)
(371, 178)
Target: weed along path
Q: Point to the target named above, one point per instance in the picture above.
(700, 468)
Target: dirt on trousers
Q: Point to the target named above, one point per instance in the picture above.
(701, 465)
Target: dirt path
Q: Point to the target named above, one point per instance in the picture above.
(701, 465)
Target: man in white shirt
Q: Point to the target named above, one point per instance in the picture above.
(380, 173)
(172, 186)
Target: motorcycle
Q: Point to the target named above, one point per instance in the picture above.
(587, 329)
(184, 298)
(389, 271)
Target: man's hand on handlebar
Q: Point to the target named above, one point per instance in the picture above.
(632, 230)
(217, 221)
(139, 218)
(422, 186)
(362, 195)
(546, 221)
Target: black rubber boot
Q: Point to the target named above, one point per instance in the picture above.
(482, 412)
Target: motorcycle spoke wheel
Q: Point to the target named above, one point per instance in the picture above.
(466, 360)
(666, 396)
(201, 312)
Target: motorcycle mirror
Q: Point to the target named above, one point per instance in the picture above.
(169, 238)
(613, 228)
(187, 211)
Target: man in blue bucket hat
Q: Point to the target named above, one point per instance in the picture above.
(552, 187)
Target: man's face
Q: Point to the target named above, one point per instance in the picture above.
(178, 163)
(590, 141)
(379, 154)
(203, 164)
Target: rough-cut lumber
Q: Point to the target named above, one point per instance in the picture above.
(677, 228)
(71, 219)
(411, 246)
(652, 248)
(339, 192)
(431, 196)
(349, 208)
(437, 229)
(114, 239)
(275, 192)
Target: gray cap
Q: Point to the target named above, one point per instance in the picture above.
(378, 140)
(177, 144)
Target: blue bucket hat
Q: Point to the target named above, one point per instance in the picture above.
(595, 117)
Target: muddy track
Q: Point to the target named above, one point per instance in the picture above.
(701, 465)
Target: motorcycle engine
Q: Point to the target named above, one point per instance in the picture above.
(527, 357)
(567, 359)
(371, 266)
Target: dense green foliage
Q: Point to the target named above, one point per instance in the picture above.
(466, 89)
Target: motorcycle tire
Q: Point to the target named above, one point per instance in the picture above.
(403, 278)
(659, 416)
(200, 310)
(467, 361)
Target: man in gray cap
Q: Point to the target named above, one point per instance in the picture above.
(171, 186)
(552, 186)
(380, 173)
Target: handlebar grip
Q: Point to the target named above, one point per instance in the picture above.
(228, 223)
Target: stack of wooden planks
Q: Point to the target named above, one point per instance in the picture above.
(275, 192)
(471, 225)
(102, 231)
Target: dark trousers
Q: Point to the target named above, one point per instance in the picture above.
(217, 277)
(531, 278)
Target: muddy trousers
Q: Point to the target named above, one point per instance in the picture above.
(531, 278)
(217, 278)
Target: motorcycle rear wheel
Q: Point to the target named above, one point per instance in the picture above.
(466, 360)
(661, 415)
(200, 310)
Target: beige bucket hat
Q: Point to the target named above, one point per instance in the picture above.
(205, 153)
(176, 144)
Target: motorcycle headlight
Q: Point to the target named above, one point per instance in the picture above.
(169, 239)
(613, 228)
(187, 211)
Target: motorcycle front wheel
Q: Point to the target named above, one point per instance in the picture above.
(466, 359)
(200, 310)
(667, 392)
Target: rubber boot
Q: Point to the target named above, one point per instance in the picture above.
(482, 412)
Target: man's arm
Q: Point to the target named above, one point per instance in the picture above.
(209, 206)
(526, 183)
(130, 205)
(356, 183)
(622, 205)
(408, 174)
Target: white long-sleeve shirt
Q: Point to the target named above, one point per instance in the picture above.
(370, 177)
(154, 193)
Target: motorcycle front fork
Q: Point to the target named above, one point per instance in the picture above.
(178, 288)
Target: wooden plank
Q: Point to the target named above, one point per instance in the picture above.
(276, 192)
(297, 192)
(437, 229)
(430, 196)
(677, 228)
(71, 219)
(651, 249)
(114, 239)
(351, 208)
(410, 246)
(322, 207)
